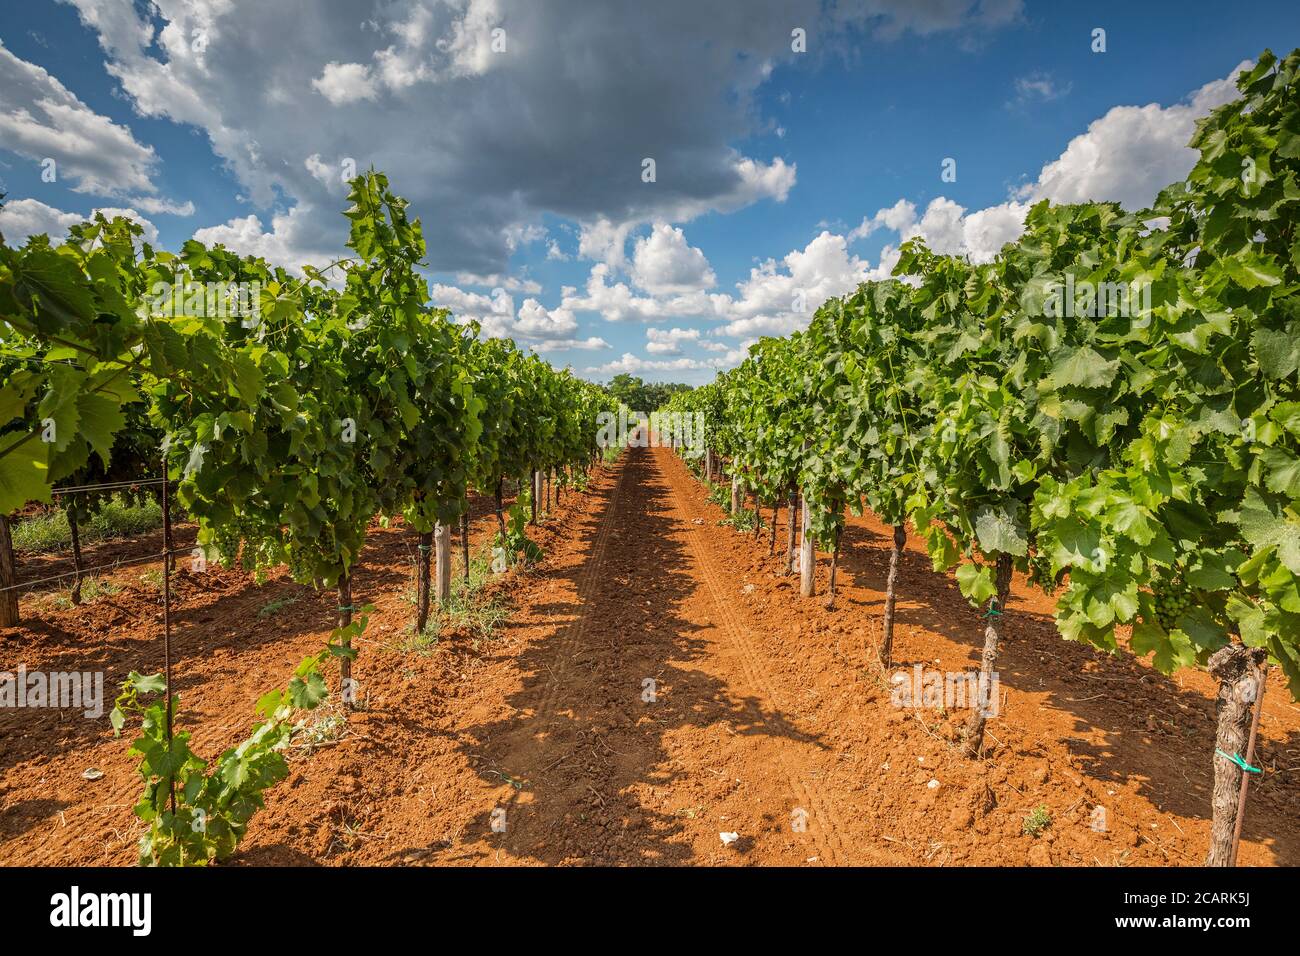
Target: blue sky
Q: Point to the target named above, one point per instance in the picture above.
(518, 129)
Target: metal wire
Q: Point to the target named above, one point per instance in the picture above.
(107, 486)
(85, 572)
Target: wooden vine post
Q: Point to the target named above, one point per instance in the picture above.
(1240, 673)
(464, 543)
(75, 530)
(973, 737)
(442, 559)
(891, 595)
(807, 556)
(792, 511)
(501, 518)
(423, 555)
(835, 561)
(167, 621)
(8, 577)
(345, 618)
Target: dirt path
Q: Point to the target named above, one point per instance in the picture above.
(658, 682)
(655, 726)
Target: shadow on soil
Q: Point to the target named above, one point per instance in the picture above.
(575, 763)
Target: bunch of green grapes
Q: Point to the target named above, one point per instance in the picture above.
(1040, 572)
(302, 563)
(259, 552)
(225, 538)
(1171, 601)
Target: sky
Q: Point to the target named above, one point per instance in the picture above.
(620, 186)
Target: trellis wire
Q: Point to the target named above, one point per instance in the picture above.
(85, 572)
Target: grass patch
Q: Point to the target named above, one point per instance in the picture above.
(327, 728)
(275, 607)
(118, 517)
(743, 520)
(469, 609)
(611, 453)
(421, 645)
(92, 588)
(153, 578)
(720, 495)
(1036, 821)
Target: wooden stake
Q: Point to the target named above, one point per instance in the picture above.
(792, 512)
(167, 624)
(8, 577)
(807, 556)
(973, 736)
(76, 552)
(891, 593)
(1236, 667)
(464, 542)
(835, 560)
(1260, 684)
(346, 686)
(423, 557)
(442, 557)
(501, 517)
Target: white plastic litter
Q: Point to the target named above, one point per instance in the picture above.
(728, 838)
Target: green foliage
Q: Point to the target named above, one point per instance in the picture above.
(1036, 821)
(287, 431)
(212, 806)
(1113, 402)
(642, 396)
(76, 348)
(515, 547)
(742, 520)
(117, 516)
(472, 608)
(271, 608)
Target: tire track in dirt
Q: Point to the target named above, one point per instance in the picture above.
(827, 834)
(628, 781)
(571, 640)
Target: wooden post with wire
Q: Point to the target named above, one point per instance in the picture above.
(1260, 681)
(167, 617)
(8, 577)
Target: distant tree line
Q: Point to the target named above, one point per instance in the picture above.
(643, 396)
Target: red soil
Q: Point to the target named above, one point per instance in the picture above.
(768, 711)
